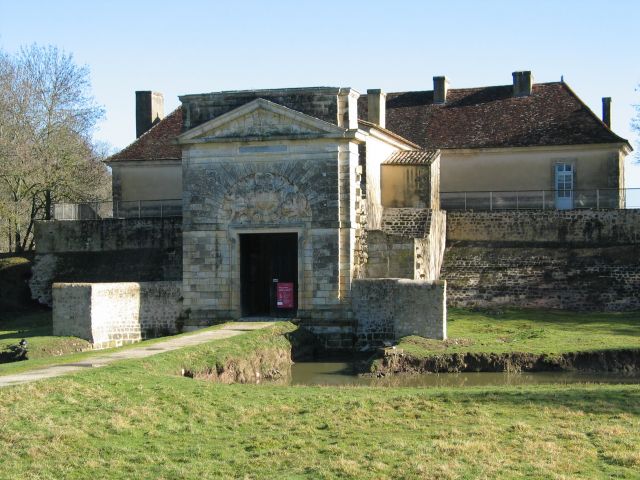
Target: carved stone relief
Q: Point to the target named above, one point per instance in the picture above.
(264, 198)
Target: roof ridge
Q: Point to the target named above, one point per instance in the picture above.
(508, 85)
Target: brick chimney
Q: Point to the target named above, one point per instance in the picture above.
(606, 111)
(440, 89)
(377, 105)
(522, 84)
(149, 110)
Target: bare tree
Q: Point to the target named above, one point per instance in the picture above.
(47, 118)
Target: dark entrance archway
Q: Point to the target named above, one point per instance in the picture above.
(269, 274)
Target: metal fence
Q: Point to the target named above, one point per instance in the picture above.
(128, 209)
(542, 199)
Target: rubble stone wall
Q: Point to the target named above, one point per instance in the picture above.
(391, 308)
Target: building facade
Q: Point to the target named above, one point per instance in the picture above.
(312, 203)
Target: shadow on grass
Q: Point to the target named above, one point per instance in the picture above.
(25, 325)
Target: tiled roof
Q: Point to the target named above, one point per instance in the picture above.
(471, 118)
(412, 157)
(491, 117)
(156, 144)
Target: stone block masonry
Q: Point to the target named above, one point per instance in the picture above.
(114, 314)
(391, 308)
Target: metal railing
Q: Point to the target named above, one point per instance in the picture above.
(124, 209)
(603, 198)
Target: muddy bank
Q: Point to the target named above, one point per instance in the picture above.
(271, 362)
(614, 361)
(263, 365)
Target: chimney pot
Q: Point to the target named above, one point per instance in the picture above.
(377, 104)
(440, 89)
(606, 111)
(149, 110)
(522, 84)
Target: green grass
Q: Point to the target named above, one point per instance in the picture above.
(137, 419)
(36, 328)
(201, 358)
(530, 331)
(19, 367)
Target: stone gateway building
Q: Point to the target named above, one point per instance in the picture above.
(325, 205)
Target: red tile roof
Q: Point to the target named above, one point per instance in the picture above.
(492, 117)
(482, 117)
(158, 143)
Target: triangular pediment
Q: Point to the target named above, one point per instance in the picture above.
(259, 118)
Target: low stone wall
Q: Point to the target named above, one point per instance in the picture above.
(110, 250)
(391, 308)
(575, 227)
(113, 314)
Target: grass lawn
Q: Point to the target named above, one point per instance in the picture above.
(137, 419)
(36, 328)
(530, 331)
(18, 367)
(21, 318)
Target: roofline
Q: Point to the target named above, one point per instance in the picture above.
(271, 91)
(144, 160)
(111, 159)
(617, 145)
(509, 85)
(593, 114)
(390, 133)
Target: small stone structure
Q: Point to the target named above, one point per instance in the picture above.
(114, 314)
(388, 308)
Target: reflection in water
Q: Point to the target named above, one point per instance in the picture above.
(337, 373)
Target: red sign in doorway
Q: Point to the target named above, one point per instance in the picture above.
(284, 295)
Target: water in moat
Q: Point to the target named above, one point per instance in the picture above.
(343, 373)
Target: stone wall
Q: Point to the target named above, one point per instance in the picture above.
(410, 244)
(111, 250)
(114, 314)
(391, 308)
(408, 222)
(389, 256)
(586, 279)
(429, 251)
(575, 227)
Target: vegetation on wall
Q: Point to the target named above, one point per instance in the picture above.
(47, 155)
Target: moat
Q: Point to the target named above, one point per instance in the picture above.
(346, 374)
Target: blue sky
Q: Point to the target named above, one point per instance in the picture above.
(201, 46)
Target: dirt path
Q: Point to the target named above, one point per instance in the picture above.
(51, 371)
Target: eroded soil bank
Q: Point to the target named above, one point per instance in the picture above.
(614, 361)
(271, 361)
(271, 364)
